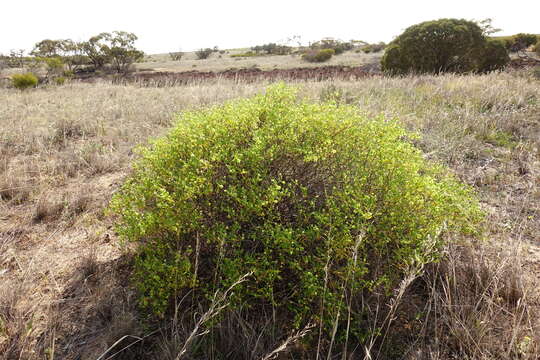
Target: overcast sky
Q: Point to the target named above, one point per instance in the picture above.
(167, 25)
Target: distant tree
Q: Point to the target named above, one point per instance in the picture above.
(96, 49)
(70, 52)
(203, 53)
(73, 55)
(122, 52)
(47, 48)
(272, 48)
(116, 48)
(338, 46)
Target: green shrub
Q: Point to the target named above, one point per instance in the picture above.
(24, 81)
(494, 56)
(307, 196)
(373, 48)
(436, 46)
(60, 80)
(318, 55)
(395, 61)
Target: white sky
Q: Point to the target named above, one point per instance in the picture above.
(167, 25)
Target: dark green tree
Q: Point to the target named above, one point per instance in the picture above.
(95, 49)
(494, 56)
(445, 45)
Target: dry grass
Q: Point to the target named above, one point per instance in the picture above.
(221, 62)
(64, 151)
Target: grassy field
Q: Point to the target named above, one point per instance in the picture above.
(64, 286)
(221, 62)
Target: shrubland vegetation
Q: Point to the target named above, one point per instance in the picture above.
(316, 202)
(318, 55)
(373, 48)
(445, 45)
(205, 53)
(63, 167)
(272, 49)
(389, 217)
(66, 57)
(24, 81)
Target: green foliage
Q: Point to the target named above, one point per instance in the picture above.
(499, 138)
(122, 52)
(436, 46)
(96, 50)
(494, 56)
(60, 80)
(48, 48)
(69, 52)
(318, 55)
(373, 48)
(316, 200)
(116, 48)
(24, 81)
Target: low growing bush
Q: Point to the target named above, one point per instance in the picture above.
(373, 48)
(318, 55)
(320, 203)
(60, 80)
(24, 81)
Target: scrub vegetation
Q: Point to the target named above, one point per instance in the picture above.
(374, 217)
